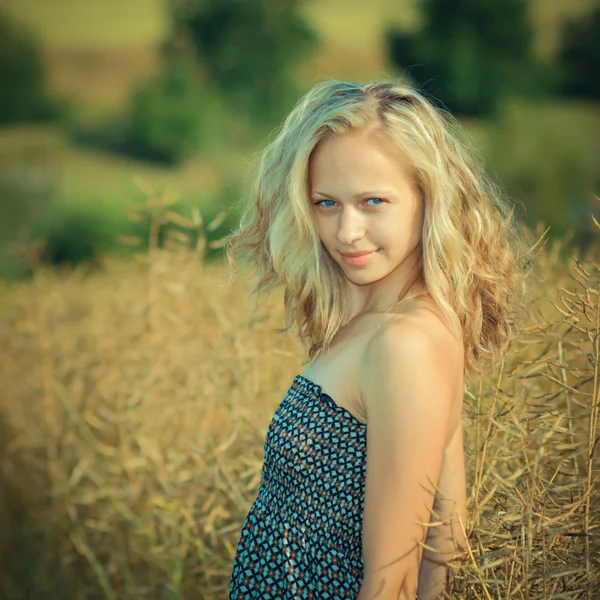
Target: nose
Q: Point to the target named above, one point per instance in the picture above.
(350, 227)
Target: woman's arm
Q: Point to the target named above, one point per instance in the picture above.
(409, 378)
(440, 565)
(448, 542)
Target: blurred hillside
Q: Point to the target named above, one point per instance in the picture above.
(135, 93)
(97, 51)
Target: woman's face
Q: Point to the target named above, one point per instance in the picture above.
(364, 200)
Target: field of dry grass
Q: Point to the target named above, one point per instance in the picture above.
(136, 399)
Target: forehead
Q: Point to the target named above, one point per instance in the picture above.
(356, 158)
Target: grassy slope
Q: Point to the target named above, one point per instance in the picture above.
(75, 23)
(43, 154)
(345, 23)
(98, 51)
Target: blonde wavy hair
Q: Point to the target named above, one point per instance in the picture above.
(475, 255)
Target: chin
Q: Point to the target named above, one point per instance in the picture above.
(361, 278)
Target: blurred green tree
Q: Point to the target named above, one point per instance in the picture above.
(247, 49)
(23, 96)
(168, 115)
(579, 56)
(469, 54)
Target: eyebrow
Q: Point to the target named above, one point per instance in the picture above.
(373, 194)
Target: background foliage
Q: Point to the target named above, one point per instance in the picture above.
(220, 76)
(22, 75)
(247, 50)
(579, 56)
(470, 55)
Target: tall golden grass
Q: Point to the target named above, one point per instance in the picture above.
(135, 401)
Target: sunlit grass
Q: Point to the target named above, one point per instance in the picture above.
(136, 399)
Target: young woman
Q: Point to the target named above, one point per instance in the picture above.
(402, 267)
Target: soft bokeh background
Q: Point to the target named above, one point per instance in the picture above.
(136, 393)
(182, 93)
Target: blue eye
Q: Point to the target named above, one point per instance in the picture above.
(378, 201)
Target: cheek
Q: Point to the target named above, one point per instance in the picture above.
(323, 231)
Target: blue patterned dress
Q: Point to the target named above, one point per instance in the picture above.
(302, 537)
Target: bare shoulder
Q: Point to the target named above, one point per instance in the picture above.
(419, 323)
(413, 357)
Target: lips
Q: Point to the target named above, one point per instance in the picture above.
(358, 259)
(356, 254)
